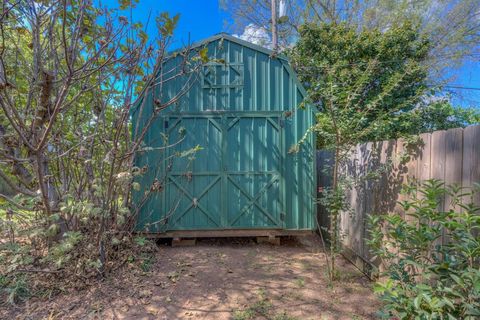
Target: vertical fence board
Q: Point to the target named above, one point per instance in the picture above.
(356, 201)
(471, 163)
(438, 163)
(350, 197)
(471, 158)
(411, 155)
(363, 197)
(399, 175)
(438, 158)
(371, 165)
(379, 185)
(389, 183)
(424, 157)
(453, 161)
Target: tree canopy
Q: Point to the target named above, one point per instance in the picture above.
(452, 26)
(429, 115)
(358, 79)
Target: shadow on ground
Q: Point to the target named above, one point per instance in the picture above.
(222, 279)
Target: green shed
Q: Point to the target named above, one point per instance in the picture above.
(223, 160)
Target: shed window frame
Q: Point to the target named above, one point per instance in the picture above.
(210, 75)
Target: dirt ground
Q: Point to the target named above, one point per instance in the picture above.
(219, 279)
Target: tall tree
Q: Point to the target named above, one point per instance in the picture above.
(452, 26)
(358, 80)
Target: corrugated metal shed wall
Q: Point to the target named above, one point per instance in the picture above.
(242, 111)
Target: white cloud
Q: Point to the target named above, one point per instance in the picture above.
(257, 35)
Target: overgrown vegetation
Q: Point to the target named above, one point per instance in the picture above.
(368, 85)
(358, 80)
(430, 256)
(70, 74)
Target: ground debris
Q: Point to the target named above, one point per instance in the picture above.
(214, 280)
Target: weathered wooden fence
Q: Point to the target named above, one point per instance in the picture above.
(379, 169)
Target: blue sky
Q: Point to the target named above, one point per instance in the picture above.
(200, 19)
(467, 76)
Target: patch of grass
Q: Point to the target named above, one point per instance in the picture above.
(262, 307)
(3, 281)
(283, 316)
(300, 282)
(17, 289)
(246, 314)
(347, 276)
(147, 261)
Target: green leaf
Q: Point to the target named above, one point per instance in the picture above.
(167, 24)
(456, 279)
(141, 241)
(143, 36)
(136, 186)
(417, 301)
(203, 53)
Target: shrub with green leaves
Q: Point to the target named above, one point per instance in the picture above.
(68, 143)
(430, 257)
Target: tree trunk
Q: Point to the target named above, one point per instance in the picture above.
(334, 212)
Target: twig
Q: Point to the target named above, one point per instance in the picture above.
(36, 271)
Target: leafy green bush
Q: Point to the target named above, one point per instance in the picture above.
(68, 212)
(430, 257)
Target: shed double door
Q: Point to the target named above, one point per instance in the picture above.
(224, 172)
